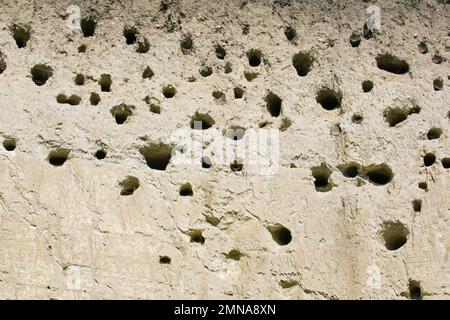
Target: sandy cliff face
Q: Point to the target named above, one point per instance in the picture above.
(109, 188)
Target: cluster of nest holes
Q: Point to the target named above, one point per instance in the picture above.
(40, 73)
(273, 104)
(205, 71)
(302, 63)
(157, 156)
(186, 190)
(9, 144)
(394, 234)
(169, 91)
(153, 104)
(94, 98)
(329, 99)
(394, 116)
(21, 35)
(105, 82)
(133, 36)
(164, 260)
(390, 63)
(322, 178)
(254, 57)
(280, 234)
(220, 52)
(129, 185)
(235, 133)
(290, 33)
(186, 43)
(197, 236)
(147, 73)
(88, 26)
(377, 174)
(73, 99)
(122, 112)
(58, 157)
(201, 121)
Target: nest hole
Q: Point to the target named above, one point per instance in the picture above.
(121, 112)
(367, 86)
(417, 205)
(395, 235)
(280, 234)
(164, 260)
(201, 121)
(415, 290)
(40, 73)
(197, 236)
(392, 64)
(94, 98)
(434, 133)
(58, 157)
(379, 174)
(129, 185)
(130, 34)
(329, 99)
(394, 116)
(446, 163)
(254, 57)
(302, 63)
(290, 33)
(105, 82)
(273, 104)
(220, 52)
(186, 190)
(157, 156)
(100, 154)
(429, 159)
(322, 181)
(9, 144)
(88, 26)
(169, 91)
(21, 35)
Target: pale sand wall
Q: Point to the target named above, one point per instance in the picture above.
(68, 232)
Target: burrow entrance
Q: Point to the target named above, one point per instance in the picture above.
(394, 234)
(157, 155)
(280, 234)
